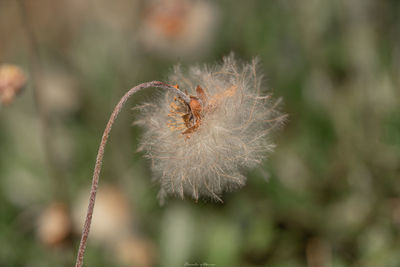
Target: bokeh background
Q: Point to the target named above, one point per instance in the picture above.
(328, 196)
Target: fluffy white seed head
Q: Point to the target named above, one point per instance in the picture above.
(202, 149)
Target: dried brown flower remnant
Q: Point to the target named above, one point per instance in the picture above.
(185, 116)
(112, 217)
(54, 224)
(188, 117)
(183, 28)
(170, 19)
(135, 251)
(12, 79)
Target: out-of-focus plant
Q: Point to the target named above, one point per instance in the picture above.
(12, 79)
(200, 142)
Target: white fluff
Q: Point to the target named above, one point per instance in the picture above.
(232, 137)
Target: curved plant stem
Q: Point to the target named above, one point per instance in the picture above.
(100, 154)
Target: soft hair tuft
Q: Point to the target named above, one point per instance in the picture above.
(234, 136)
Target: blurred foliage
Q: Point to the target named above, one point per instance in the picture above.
(328, 196)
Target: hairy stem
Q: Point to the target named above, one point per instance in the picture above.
(100, 154)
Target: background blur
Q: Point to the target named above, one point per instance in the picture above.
(328, 196)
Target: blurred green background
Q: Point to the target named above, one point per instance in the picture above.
(328, 196)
